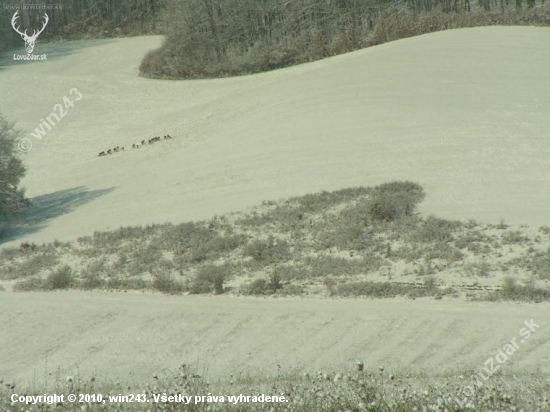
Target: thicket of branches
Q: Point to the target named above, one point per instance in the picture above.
(212, 38)
(82, 18)
(12, 197)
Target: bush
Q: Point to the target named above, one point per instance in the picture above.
(164, 282)
(268, 251)
(540, 265)
(513, 237)
(512, 291)
(436, 230)
(30, 284)
(62, 278)
(337, 266)
(395, 200)
(91, 281)
(384, 289)
(256, 287)
(210, 279)
(263, 286)
(131, 283)
(195, 242)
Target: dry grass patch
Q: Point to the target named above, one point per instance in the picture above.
(357, 389)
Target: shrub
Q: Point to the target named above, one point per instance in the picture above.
(480, 268)
(195, 242)
(210, 279)
(263, 286)
(91, 281)
(147, 256)
(347, 235)
(275, 281)
(10, 253)
(120, 264)
(512, 291)
(288, 273)
(472, 240)
(164, 282)
(30, 284)
(433, 229)
(256, 287)
(430, 283)
(383, 289)
(268, 251)
(338, 266)
(291, 290)
(395, 200)
(540, 264)
(443, 251)
(96, 268)
(513, 237)
(131, 284)
(31, 267)
(62, 278)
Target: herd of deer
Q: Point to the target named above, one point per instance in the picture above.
(134, 146)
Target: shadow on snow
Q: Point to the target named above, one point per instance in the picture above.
(49, 206)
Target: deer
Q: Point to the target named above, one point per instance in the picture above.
(29, 40)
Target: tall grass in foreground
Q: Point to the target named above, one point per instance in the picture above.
(360, 390)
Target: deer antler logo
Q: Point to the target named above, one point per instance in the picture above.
(29, 40)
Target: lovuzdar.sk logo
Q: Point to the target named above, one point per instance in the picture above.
(29, 40)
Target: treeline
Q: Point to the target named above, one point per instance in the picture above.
(213, 38)
(227, 37)
(75, 19)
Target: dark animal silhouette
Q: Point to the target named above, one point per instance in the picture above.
(24, 247)
(135, 146)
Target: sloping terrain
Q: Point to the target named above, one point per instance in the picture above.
(130, 337)
(464, 113)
